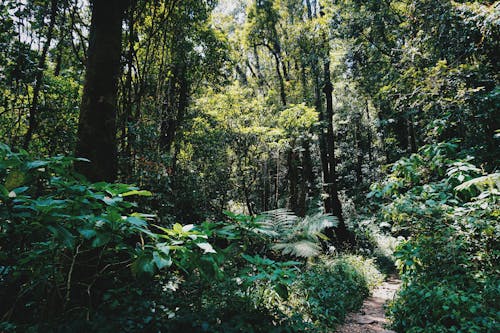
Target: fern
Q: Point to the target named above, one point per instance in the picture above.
(295, 235)
(489, 181)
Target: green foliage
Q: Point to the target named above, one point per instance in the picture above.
(449, 263)
(296, 236)
(64, 242)
(332, 288)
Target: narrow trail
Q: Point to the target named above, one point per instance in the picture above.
(371, 317)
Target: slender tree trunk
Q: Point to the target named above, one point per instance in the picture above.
(175, 113)
(60, 44)
(412, 135)
(306, 179)
(266, 189)
(129, 136)
(369, 133)
(33, 112)
(327, 202)
(97, 125)
(281, 81)
(342, 234)
(293, 175)
(309, 9)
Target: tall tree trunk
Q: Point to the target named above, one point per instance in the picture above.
(359, 150)
(129, 136)
(60, 44)
(309, 9)
(293, 178)
(174, 114)
(342, 234)
(97, 123)
(369, 132)
(280, 79)
(33, 112)
(327, 202)
(412, 135)
(306, 179)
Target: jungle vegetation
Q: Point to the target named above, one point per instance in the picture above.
(248, 165)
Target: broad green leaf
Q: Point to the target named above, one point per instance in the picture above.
(206, 247)
(36, 164)
(161, 260)
(143, 193)
(136, 221)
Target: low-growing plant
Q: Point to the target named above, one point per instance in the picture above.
(449, 261)
(67, 246)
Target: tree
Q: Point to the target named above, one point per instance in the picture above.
(97, 124)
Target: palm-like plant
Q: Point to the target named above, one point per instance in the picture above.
(297, 236)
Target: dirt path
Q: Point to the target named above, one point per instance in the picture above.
(371, 317)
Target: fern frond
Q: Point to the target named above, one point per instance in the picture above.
(482, 182)
(314, 224)
(294, 235)
(302, 248)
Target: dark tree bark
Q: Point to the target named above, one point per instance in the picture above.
(174, 113)
(33, 112)
(343, 235)
(63, 31)
(97, 124)
(128, 117)
(281, 81)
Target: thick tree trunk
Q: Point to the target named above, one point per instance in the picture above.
(97, 124)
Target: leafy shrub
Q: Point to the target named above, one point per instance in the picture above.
(331, 288)
(67, 246)
(449, 262)
(79, 257)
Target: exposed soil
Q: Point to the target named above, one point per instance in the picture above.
(371, 317)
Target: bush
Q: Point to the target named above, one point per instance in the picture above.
(72, 252)
(449, 262)
(79, 257)
(333, 287)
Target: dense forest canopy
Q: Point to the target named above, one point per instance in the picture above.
(248, 165)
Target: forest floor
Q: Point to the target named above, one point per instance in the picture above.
(371, 317)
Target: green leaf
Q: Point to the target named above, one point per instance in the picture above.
(36, 164)
(63, 234)
(101, 239)
(143, 265)
(87, 233)
(161, 260)
(206, 247)
(4, 191)
(143, 193)
(136, 221)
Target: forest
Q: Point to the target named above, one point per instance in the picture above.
(249, 165)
